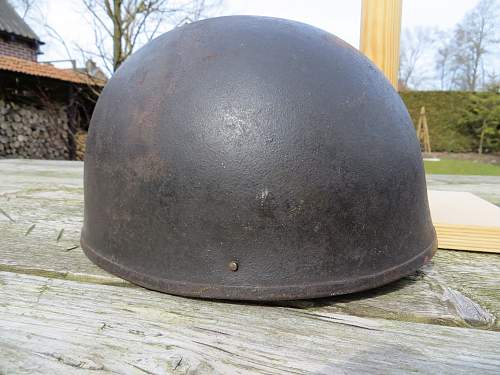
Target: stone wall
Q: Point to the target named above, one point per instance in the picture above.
(28, 131)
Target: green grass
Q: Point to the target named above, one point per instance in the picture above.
(449, 166)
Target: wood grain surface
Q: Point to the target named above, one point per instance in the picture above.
(61, 314)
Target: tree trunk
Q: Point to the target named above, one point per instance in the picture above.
(117, 34)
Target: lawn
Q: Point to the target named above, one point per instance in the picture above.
(449, 166)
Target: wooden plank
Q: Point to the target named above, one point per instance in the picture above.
(463, 221)
(380, 32)
(64, 327)
(17, 174)
(43, 197)
(41, 219)
(462, 208)
(468, 238)
(456, 289)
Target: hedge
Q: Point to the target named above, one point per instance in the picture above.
(444, 111)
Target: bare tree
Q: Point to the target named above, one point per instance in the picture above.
(121, 26)
(33, 12)
(24, 7)
(473, 38)
(442, 60)
(414, 45)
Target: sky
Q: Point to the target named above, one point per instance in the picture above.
(340, 17)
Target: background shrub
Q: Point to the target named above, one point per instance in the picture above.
(447, 112)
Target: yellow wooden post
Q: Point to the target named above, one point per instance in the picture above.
(380, 34)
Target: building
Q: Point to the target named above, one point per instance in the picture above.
(16, 37)
(43, 109)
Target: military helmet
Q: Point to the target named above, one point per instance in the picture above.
(254, 158)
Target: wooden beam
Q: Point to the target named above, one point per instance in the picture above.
(380, 34)
(42, 198)
(463, 221)
(52, 326)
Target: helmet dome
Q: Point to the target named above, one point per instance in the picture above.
(254, 158)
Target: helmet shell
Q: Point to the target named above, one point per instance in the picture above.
(254, 158)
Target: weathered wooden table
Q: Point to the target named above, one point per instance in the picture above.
(60, 314)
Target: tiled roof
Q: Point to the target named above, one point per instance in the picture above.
(14, 64)
(12, 23)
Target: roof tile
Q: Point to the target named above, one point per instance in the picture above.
(15, 64)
